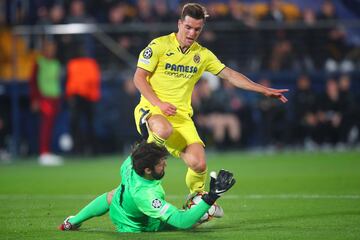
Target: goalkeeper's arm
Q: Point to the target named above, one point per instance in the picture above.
(184, 219)
(218, 185)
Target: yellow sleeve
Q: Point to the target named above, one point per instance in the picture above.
(149, 57)
(214, 65)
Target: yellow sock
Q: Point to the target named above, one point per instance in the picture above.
(195, 181)
(155, 138)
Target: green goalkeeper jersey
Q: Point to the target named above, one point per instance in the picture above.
(139, 205)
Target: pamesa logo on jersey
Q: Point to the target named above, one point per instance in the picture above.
(180, 68)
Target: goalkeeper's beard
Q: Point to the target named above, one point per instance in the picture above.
(157, 176)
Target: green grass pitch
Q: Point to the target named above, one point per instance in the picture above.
(278, 196)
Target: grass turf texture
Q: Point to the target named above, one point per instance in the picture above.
(280, 196)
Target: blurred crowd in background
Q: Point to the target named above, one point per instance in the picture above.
(311, 47)
(313, 39)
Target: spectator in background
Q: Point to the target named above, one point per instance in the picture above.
(128, 41)
(334, 37)
(45, 93)
(42, 15)
(49, 15)
(202, 104)
(57, 16)
(145, 11)
(276, 49)
(275, 12)
(277, 44)
(78, 14)
(5, 126)
(330, 113)
(129, 98)
(243, 40)
(240, 108)
(309, 45)
(349, 110)
(162, 11)
(272, 124)
(118, 14)
(304, 107)
(236, 110)
(83, 91)
(282, 56)
(12, 66)
(144, 14)
(217, 114)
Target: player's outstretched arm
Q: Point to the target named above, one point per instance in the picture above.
(218, 185)
(145, 89)
(241, 81)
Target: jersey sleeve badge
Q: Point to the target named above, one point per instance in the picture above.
(147, 54)
(156, 203)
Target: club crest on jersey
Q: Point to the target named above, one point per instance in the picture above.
(156, 203)
(147, 53)
(196, 58)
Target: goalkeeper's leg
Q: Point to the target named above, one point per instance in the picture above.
(98, 207)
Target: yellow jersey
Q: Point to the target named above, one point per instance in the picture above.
(174, 73)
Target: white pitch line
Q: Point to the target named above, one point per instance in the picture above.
(283, 196)
(244, 197)
(299, 196)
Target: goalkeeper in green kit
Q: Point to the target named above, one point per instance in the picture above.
(139, 205)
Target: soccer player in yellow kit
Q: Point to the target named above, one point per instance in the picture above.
(167, 70)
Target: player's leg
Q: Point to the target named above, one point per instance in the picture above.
(219, 126)
(152, 125)
(194, 157)
(49, 109)
(186, 143)
(98, 207)
(183, 142)
(160, 128)
(233, 127)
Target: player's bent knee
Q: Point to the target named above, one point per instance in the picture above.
(160, 126)
(199, 166)
(164, 132)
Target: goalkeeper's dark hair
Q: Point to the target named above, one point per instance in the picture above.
(194, 10)
(147, 155)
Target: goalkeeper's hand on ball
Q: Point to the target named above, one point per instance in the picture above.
(218, 185)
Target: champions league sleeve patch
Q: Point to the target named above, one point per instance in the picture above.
(147, 54)
(156, 203)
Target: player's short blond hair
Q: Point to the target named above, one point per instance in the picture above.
(194, 10)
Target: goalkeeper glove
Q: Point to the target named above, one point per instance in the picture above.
(218, 185)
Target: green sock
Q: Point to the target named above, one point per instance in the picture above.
(99, 206)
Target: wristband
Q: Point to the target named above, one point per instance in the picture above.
(209, 198)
